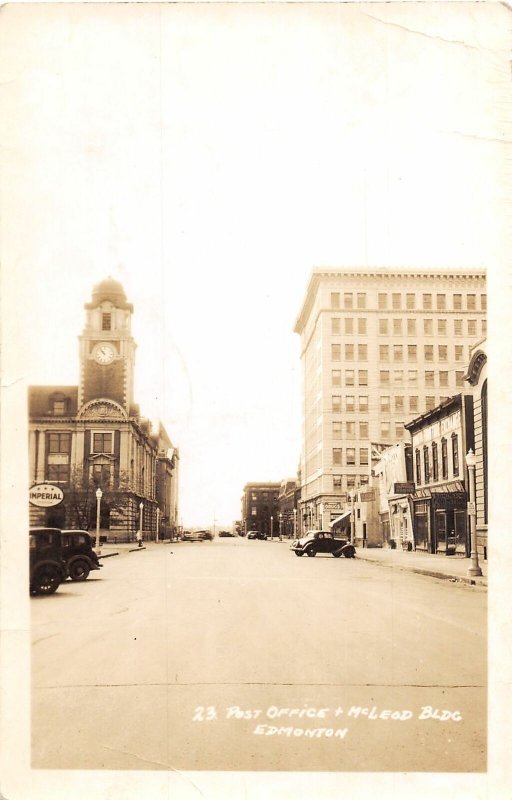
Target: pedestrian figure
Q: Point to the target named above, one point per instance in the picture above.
(139, 538)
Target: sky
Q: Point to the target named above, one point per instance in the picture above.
(210, 156)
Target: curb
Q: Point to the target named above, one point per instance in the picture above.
(136, 549)
(108, 555)
(428, 573)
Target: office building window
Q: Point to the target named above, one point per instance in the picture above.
(336, 377)
(429, 377)
(361, 300)
(457, 327)
(430, 402)
(350, 429)
(57, 473)
(384, 377)
(363, 377)
(336, 403)
(349, 352)
(398, 352)
(457, 302)
(399, 402)
(335, 352)
(413, 403)
(397, 327)
(444, 458)
(335, 299)
(443, 379)
(336, 481)
(349, 325)
(361, 325)
(363, 402)
(399, 430)
(253, 511)
(435, 463)
(471, 302)
(483, 302)
(412, 352)
(442, 327)
(59, 442)
(385, 402)
(459, 352)
(417, 458)
(384, 352)
(102, 474)
(382, 300)
(102, 442)
(428, 327)
(106, 322)
(459, 378)
(411, 327)
(349, 377)
(427, 302)
(336, 430)
(363, 456)
(385, 429)
(441, 302)
(484, 327)
(350, 402)
(383, 327)
(410, 301)
(442, 351)
(351, 481)
(362, 352)
(363, 430)
(412, 376)
(336, 456)
(426, 464)
(455, 453)
(348, 300)
(351, 456)
(398, 377)
(59, 407)
(335, 325)
(396, 301)
(471, 327)
(428, 352)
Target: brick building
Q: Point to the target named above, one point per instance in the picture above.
(260, 508)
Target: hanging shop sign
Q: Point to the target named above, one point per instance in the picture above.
(45, 495)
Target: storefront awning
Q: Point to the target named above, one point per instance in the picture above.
(341, 520)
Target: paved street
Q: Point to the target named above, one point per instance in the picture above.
(236, 655)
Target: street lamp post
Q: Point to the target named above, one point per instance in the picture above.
(271, 527)
(280, 526)
(352, 496)
(158, 512)
(474, 570)
(99, 495)
(141, 509)
(294, 523)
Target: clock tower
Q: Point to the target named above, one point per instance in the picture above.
(107, 348)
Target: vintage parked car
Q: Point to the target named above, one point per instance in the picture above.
(206, 535)
(190, 536)
(322, 542)
(226, 534)
(256, 535)
(47, 568)
(78, 554)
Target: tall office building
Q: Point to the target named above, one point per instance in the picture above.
(378, 348)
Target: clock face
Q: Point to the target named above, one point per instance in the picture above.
(104, 353)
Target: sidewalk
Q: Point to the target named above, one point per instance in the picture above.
(452, 568)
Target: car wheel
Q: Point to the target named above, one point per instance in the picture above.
(349, 552)
(336, 555)
(298, 554)
(46, 581)
(79, 571)
(311, 552)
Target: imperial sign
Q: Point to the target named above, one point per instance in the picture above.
(45, 495)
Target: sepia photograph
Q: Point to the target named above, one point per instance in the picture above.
(255, 273)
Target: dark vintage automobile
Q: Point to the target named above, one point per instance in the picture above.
(256, 535)
(78, 554)
(314, 542)
(47, 567)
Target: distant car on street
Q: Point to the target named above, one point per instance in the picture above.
(226, 534)
(314, 542)
(207, 535)
(47, 568)
(190, 536)
(256, 535)
(78, 554)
